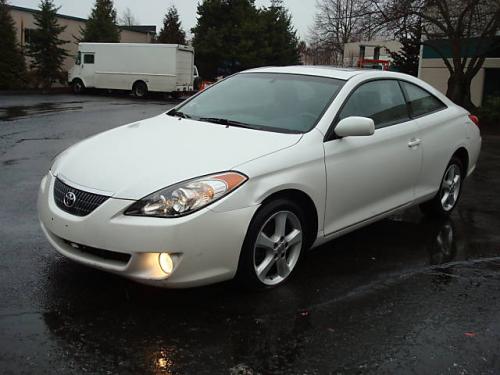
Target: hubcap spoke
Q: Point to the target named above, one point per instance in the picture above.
(294, 237)
(265, 242)
(266, 266)
(445, 197)
(280, 222)
(283, 268)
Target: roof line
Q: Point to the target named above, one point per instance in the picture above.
(73, 18)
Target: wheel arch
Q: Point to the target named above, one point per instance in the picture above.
(139, 81)
(79, 79)
(463, 155)
(306, 203)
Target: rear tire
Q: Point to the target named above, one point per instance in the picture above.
(273, 246)
(449, 192)
(140, 89)
(77, 86)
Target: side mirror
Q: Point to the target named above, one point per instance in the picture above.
(355, 126)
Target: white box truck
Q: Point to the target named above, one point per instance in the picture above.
(136, 67)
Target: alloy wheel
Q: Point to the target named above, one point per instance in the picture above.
(450, 187)
(277, 248)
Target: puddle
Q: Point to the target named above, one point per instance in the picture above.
(17, 112)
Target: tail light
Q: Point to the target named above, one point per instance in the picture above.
(474, 119)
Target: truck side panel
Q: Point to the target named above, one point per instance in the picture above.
(120, 66)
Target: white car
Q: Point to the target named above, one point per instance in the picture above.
(241, 179)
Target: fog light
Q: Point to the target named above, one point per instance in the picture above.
(166, 263)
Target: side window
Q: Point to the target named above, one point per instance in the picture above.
(421, 102)
(381, 100)
(88, 59)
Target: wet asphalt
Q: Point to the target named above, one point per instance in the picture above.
(407, 295)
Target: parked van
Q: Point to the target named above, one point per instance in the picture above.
(137, 67)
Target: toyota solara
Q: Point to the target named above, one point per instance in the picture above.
(241, 179)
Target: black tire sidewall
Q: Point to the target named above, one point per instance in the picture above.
(138, 85)
(74, 86)
(246, 275)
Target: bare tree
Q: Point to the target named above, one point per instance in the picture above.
(342, 21)
(128, 18)
(466, 29)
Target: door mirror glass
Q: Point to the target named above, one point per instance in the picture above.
(355, 126)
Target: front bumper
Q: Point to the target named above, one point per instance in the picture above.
(206, 244)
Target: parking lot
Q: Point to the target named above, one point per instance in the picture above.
(405, 295)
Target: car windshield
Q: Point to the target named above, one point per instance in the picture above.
(266, 101)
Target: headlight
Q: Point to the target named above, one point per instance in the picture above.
(187, 197)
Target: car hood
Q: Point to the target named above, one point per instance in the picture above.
(135, 160)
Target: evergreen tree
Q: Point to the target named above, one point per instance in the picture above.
(172, 32)
(280, 36)
(45, 49)
(406, 60)
(12, 65)
(102, 25)
(232, 35)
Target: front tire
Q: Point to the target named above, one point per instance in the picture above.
(77, 87)
(273, 246)
(449, 192)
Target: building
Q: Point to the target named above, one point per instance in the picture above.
(25, 22)
(432, 68)
(369, 50)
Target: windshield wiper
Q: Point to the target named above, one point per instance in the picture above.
(227, 122)
(177, 113)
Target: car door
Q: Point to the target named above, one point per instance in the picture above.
(88, 69)
(440, 132)
(371, 175)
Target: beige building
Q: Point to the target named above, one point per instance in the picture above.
(486, 82)
(373, 50)
(25, 22)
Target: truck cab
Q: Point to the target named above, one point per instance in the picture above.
(82, 74)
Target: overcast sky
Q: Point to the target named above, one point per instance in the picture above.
(151, 12)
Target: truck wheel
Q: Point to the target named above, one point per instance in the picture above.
(197, 83)
(140, 89)
(77, 86)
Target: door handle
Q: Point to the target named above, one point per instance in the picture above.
(414, 142)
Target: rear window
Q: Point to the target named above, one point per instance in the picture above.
(421, 101)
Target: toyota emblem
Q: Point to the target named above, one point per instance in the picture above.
(69, 199)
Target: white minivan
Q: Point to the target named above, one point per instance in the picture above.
(136, 67)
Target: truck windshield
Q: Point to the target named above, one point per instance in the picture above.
(266, 101)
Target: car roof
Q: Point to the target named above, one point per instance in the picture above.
(312, 70)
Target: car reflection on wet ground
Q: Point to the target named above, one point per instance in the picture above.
(405, 295)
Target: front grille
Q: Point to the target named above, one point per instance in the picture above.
(79, 203)
(99, 253)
